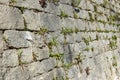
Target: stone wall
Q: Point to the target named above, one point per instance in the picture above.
(60, 40)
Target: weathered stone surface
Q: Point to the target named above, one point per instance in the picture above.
(37, 68)
(36, 20)
(10, 58)
(26, 55)
(16, 73)
(2, 43)
(16, 39)
(11, 18)
(29, 52)
(74, 73)
(40, 53)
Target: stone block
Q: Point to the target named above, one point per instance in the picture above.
(16, 74)
(10, 18)
(10, 58)
(16, 39)
(35, 21)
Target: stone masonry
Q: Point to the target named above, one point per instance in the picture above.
(59, 39)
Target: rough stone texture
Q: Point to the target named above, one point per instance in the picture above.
(16, 39)
(10, 18)
(10, 58)
(64, 40)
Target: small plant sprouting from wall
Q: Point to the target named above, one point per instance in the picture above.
(86, 41)
(12, 2)
(95, 8)
(63, 14)
(87, 49)
(114, 61)
(66, 31)
(66, 66)
(79, 58)
(112, 44)
(52, 42)
(114, 37)
(75, 3)
(75, 15)
(43, 30)
(20, 51)
(91, 17)
(58, 56)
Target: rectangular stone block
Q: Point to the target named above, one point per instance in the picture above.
(10, 18)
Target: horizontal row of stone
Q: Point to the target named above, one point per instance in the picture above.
(23, 39)
(91, 68)
(12, 18)
(51, 7)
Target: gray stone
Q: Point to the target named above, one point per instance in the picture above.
(83, 14)
(80, 24)
(89, 5)
(11, 18)
(59, 73)
(37, 68)
(74, 73)
(68, 23)
(26, 55)
(10, 58)
(66, 1)
(4, 1)
(16, 39)
(45, 76)
(16, 73)
(2, 44)
(67, 9)
(40, 53)
(35, 21)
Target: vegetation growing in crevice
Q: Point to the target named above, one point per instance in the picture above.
(43, 30)
(52, 42)
(58, 56)
(12, 2)
(75, 15)
(75, 3)
(91, 17)
(86, 41)
(63, 14)
(87, 49)
(112, 44)
(20, 63)
(114, 61)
